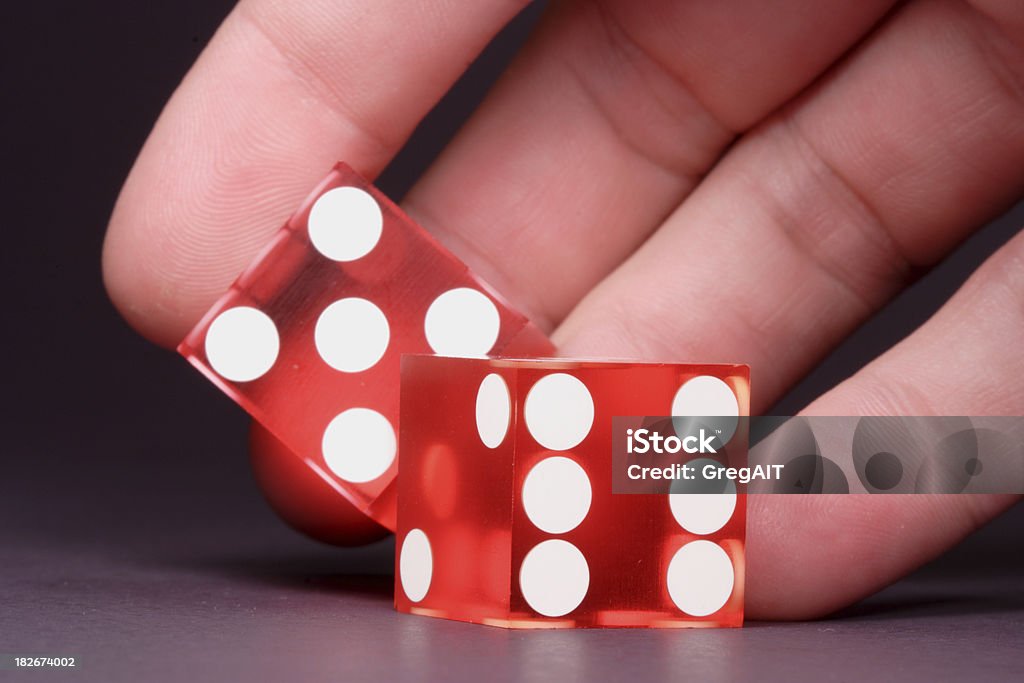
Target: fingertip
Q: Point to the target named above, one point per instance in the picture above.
(303, 499)
(130, 291)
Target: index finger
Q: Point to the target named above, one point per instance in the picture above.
(282, 91)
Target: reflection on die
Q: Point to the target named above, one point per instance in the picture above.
(505, 508)
(308, 338)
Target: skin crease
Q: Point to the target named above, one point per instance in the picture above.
(782, 170)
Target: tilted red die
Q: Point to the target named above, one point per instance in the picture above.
(308, 338)
(505, 508)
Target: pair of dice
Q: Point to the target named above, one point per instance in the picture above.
(503, 511)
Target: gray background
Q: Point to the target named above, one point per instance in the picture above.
(132, 534)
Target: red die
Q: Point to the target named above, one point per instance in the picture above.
(505, 507)
(308, 338)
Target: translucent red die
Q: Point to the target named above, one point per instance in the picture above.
(505, 508)
(308, 338)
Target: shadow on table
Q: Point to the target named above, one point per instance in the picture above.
(937, 604)
(300, 573)
(910, 599)
(306, 567)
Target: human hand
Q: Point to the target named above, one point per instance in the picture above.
(733, 181)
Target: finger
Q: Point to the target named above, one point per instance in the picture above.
(606, 120)
(281, 92)
(964, 361)
(303, 498)
(817, 217)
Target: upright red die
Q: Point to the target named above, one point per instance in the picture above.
(308, 338)
(505, 508)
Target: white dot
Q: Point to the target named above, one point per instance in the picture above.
(700, 578)
(556, 495)
(493, 410)
(416, 565)
(351, 335)
(359, 445)
(707, 396)
(554, 577)
(242, 344)
(462, 322)
(345, 224)
(559, 411)
(702, 513)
